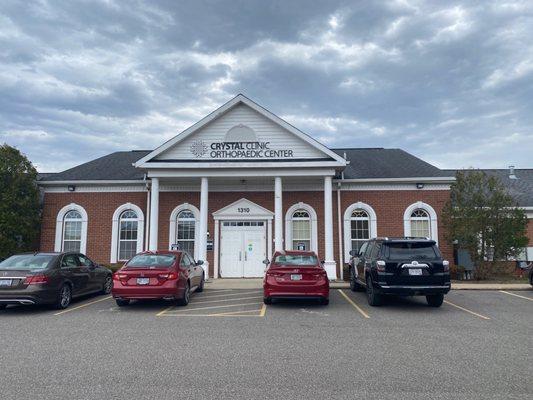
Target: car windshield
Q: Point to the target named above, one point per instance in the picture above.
(27, 261)
(151, 260)
(411, 251)
(293, 259)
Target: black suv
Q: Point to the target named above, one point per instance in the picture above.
(402, 267)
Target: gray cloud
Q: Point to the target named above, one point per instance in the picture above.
(449, 82)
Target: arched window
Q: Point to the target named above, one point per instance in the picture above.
(420, 223)
(71, 229)
(128, 234)
(359, 228)
(186, 231)
(420, 220)
(360, 224)
(301, 230)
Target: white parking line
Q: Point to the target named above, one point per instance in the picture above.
(516, 295)
(466, 310)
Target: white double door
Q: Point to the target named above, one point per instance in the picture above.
(242, 249)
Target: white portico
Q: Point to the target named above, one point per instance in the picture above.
(243, 148)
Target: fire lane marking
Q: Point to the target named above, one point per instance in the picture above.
(83, 305)
(224, 300)
(208, 308)
(263, 310)
(466, 310)
(516, 295)
(236, 314)
(349, 300)
(226, 295)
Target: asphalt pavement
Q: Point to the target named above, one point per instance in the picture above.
(227, 345)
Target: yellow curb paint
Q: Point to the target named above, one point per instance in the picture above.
(361, 311)
(225, 300)
(212, 307)
(164, 311)
(263, 310)
(516, 295)
(466, 310)
(83, 305)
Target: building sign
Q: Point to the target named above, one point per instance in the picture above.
(236, 150)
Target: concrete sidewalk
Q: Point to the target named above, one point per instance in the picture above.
(258, 284)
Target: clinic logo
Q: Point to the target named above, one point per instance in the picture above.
(199, 148)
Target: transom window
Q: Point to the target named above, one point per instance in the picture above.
(420, 223)
(128, 233)
(243, 223)
(359, 228)
(185, 232)
(72, 224)
(301, 230)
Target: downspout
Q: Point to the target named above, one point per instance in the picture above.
(147, 230)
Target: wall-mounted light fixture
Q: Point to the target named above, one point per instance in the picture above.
(71, 188)
(420, 185)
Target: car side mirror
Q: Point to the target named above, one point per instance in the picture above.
(266, 261)
(322, 262)
(354, 253)
(199, 262)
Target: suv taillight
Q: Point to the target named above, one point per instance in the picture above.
(380, 265)
(36, 280)
(446, 265)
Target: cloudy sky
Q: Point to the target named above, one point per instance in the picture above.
(451, 82)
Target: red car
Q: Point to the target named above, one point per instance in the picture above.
(168, 275)
(295, 275)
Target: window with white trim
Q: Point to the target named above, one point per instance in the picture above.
(301, 230)
(128, 235)
(186, 231)
(420, 223)
(359, 228)
(72, 225)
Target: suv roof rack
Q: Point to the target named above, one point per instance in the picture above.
(402, 238)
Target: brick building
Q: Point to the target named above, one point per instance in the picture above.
(236, 186)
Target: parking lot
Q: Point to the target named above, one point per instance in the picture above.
(227, 344)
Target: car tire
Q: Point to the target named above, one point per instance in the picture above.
(200, 287)
(267, 300)
(122, 302)
(354, 285)
(108, 285)
(3, 306)
(435, 300)
(374, 299)
(64, 297)
(186, 296)
(324, 302)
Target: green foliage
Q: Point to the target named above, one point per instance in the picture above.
(19, 202)
(484, 219)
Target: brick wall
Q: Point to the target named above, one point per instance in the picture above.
(388, 205)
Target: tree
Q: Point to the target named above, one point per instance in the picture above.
(483, 218)
(19, 202)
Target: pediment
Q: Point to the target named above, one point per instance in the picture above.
(243, 209)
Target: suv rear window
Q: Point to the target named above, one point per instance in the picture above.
(299, 260)
(151, 260)
(402, 251)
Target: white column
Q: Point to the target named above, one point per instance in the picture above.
(216, 248)
(202, 243)
(329, 261)
(278, 215)
(154, 214)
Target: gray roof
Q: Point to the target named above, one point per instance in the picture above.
(115, 166)
(386, 163)
(364, 163)
(520, 188)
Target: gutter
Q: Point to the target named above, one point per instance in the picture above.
(445, 179)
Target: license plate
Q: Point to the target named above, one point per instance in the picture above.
(296, 277)
(415, 271)
(143, 281)
(5, 282)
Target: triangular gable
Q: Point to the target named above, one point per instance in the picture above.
(241, 130)
(243, 208)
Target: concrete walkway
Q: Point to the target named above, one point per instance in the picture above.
(258, 284)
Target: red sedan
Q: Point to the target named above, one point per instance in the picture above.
(294, 275)
(168, 275)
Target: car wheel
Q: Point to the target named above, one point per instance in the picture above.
(267, 300)
(354, 285)
(3, 306)
(374, 299)
(186, 295)
(64, 297)
(122, 302)
(200, 287)
(108, 285)
(435, 300)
